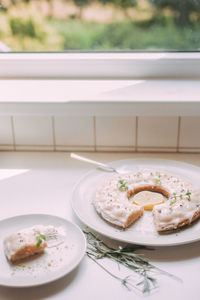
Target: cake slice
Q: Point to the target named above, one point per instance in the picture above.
(174, 214)
(24, 243)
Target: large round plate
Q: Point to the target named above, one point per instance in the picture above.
(143, 231)
(53, 264)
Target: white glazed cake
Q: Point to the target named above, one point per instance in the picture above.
(182, 201)
(175, 214)
(25, 243)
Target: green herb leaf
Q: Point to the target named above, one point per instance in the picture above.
(123, 185)
(188, 193)
(40, 238)
(157, 180)
(121, 181)
(174, 196)
(173, 201)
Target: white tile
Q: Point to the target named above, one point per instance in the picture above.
(74, 131)
(115, 131)
(189, 150)
(33, 130)
(156, 149)
(114, 149)
(189, 132)
(6, 135)
(74, 148)
(7, 148)
(157, 132)
(34, 148)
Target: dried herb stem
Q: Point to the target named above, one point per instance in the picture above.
(125, 256)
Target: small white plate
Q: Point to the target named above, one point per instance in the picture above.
(142, 231)
(55, 263)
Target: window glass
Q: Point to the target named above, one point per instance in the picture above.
(101, 25)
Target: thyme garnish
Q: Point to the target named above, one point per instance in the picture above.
(158, 180)
(175, 196)
(123, 185)
(126, 256)
(40, 238)
(173, 202)
(188, 193)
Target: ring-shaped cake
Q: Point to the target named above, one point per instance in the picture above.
(113, 200)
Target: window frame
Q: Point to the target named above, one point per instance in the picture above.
(99, 65)
(40, 75)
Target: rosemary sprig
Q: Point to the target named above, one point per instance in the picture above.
(97, 249)
(128, 281)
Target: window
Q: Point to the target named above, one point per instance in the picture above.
(103, 39)
(100, 25)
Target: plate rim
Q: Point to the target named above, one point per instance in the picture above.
(107, 234)
(78, 261)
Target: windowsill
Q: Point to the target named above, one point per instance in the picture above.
(100, 97)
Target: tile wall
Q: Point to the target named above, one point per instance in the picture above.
(125, 134)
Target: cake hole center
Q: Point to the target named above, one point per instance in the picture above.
(148, 199)
(148, 195)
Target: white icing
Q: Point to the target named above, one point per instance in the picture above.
(169, 216)
(113, 205)
(28, 236)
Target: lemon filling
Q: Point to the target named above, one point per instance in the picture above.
(148, 199)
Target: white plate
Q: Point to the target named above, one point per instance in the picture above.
(143, 231)
(53, 264)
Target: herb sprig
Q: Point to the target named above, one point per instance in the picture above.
(188, 193)
(40, 239)
(123, 185)
(158, 179)
(175, 196)
(126, 256)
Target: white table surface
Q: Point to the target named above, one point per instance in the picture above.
(43, 183)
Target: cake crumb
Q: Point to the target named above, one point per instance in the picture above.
(22, 265)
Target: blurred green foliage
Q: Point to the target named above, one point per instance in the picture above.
(26, 27)
(121, 3)
(182, 9)
(82, 3)
(128, 36)
(29, 30)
